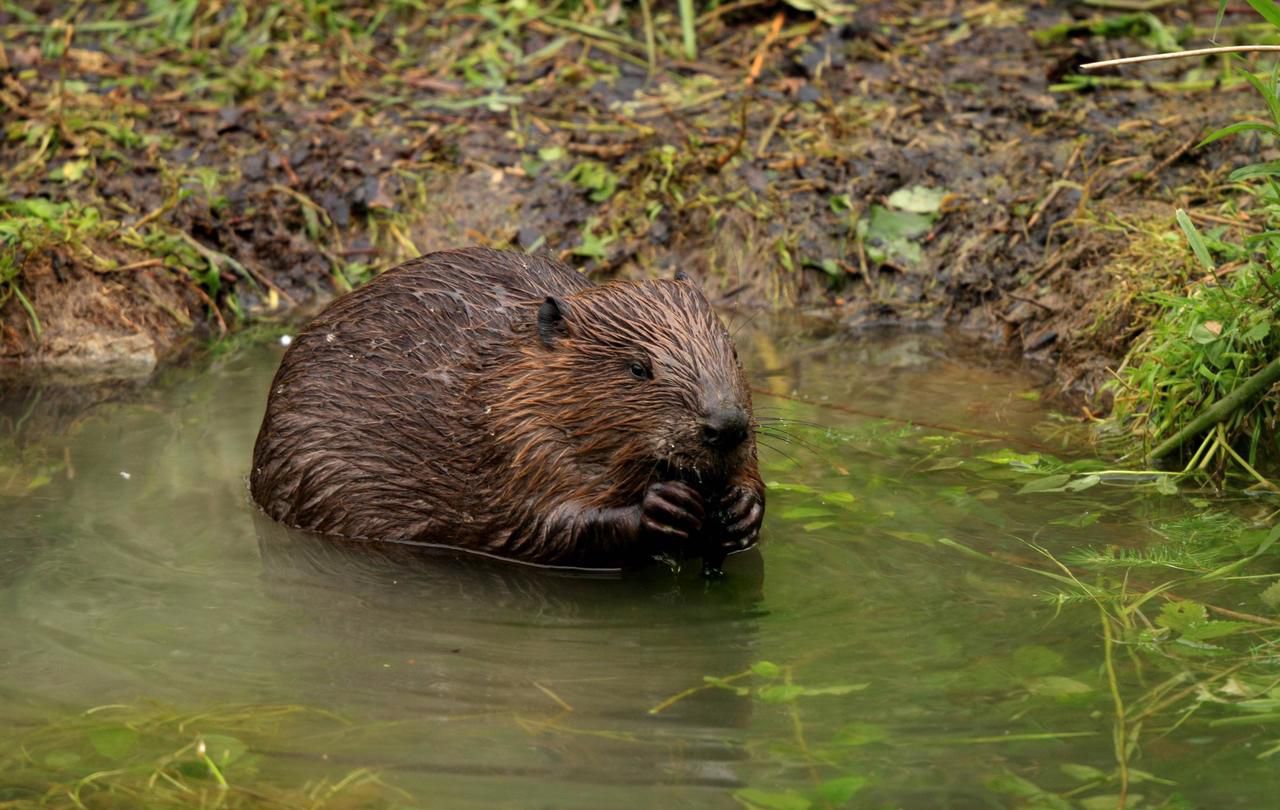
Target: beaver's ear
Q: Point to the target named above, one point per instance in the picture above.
(682, 275)
(551, 323)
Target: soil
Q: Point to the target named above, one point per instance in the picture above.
(235, 185)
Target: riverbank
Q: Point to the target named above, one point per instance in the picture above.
(176, 174)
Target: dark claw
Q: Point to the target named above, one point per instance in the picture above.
(741, 517)
(671, 510)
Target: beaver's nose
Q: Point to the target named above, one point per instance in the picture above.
(725, 427)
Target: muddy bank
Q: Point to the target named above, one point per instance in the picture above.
(171, 178)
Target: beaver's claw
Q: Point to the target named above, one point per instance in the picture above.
(671, 510)
(740, 514)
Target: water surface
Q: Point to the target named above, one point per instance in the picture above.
(144, 607)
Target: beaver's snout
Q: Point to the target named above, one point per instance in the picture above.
(725, 427)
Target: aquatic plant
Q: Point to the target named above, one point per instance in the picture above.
(135, 756)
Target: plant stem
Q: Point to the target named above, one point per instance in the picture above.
(1155, 57)
(1221, 409)
(1121, 743)
(687, 29)
(650, 41)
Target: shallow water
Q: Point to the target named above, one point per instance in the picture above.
(139, 585)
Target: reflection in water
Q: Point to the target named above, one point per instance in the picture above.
(137, 572)
(564, 662)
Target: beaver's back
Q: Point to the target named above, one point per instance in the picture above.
(368, 430)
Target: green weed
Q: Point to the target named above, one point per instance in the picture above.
(1203, 378)
(127, 756)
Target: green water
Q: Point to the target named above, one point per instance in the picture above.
(143, 607)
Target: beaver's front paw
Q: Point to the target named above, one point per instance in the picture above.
(740, 514)
(671, 510)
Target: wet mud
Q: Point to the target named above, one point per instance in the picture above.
(250, 168)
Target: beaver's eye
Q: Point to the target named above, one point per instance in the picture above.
(640, 371)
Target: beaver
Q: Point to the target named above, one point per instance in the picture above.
(500, 403)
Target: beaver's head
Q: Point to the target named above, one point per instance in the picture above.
(631, 382)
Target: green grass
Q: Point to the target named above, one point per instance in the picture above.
(1211, 336)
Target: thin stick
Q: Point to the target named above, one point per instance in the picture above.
(757, 64)
(1158, 57)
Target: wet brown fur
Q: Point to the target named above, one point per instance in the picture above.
(428, 407)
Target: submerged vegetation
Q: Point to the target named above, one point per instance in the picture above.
(179, 168)
(140, 756)
(1187, 610)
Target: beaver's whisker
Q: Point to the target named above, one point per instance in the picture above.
(780, 452)
(790, 438)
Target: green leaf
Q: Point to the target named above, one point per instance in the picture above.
(890, 235)
(595, 177)
(1271, 596)
(1257, 333)
(1203, 335)
(918, 199)
(1193, 238)
(40, 208)
(842, 689)
(1210, 630)
(1082, 773)
(1272, 537)
(829, 266)
(766, 669)
(1180, 616)
(222, 749)
(1267, 93)
(1050, 483)
(1057, 686)
(860, 734)
(1083, 483)
(113, 743)
(780, 693)
(1268, 9)
(838, 791)
(817, 525)
(70, 172)
(61, 760)
(1012, 785)
(1078, 521)
(1036, 659)
(769, 800)
(1012, 458)
(1110, 801)
(1270, 168)
(781, 486)
(1243, 126)
(803, 512)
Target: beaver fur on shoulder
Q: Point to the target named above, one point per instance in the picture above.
(501, 403)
